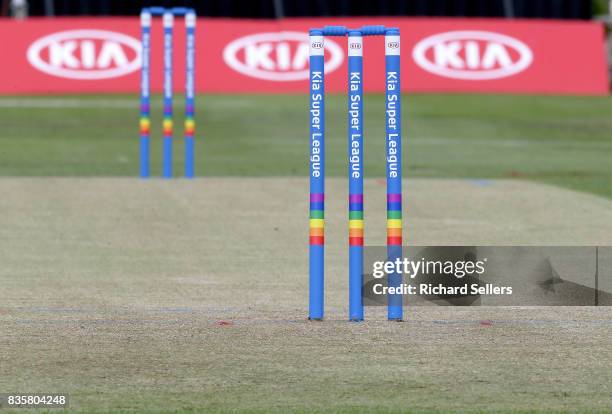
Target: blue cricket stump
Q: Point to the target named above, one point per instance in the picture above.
(355, 173)
(190, 24)
(393, 129)
(317, 177)
(168, 22)
(145, 93)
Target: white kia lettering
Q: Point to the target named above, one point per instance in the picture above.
(88, 54)
(111, 54)
(62, 54)
(85, 54)
(448, 55)
(472, 55)
(259, 56)
(279, 56)
(283, 56)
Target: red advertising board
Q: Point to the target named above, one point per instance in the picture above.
(98, 55)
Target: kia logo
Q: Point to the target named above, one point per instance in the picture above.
(393, 45)
(85, 54)
(472, 55)
(279, 56)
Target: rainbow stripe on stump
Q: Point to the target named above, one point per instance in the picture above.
(317, 219)
(356, 220)
(394, 219)
(189, 127)
(145, 125)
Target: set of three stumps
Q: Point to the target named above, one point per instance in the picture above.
(355, 166)
(168, 15)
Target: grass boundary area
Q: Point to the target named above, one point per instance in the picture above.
(560, 140)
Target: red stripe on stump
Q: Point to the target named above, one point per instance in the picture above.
(317, 240)
(394, 241)
(355, 241)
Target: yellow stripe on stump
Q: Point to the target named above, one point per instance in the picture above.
(317, 223)
(355, 224)
(394, 224)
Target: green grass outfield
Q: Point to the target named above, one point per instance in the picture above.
(564, 141)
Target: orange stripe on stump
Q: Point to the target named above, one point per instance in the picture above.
(316, 231)
(392, 232)
(356, 233)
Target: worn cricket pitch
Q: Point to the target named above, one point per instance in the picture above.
(192, 296)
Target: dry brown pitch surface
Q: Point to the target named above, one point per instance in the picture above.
(156, 295)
